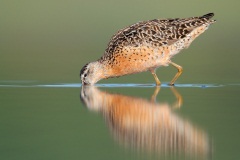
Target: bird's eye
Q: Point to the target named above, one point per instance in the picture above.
(85, 75)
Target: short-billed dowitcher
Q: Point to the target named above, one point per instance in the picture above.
(145, 46)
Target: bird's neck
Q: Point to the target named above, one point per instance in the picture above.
(107, 71)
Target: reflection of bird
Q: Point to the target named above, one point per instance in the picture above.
(147, 125)
(145, 46)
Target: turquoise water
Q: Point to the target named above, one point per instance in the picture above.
(119, 121)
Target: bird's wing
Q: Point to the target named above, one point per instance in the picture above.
(157, 32)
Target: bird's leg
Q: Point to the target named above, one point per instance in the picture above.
(155, 77)
(180, 70)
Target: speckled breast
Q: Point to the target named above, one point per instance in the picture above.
(139, 59)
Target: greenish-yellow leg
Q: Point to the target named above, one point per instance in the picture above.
(158, 83)
(180, 70)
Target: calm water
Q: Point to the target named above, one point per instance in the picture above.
(119, 121)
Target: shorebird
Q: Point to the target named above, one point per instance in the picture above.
(145, 46)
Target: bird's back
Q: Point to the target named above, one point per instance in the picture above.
(157, 32)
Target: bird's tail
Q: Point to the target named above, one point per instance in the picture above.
(207, 17)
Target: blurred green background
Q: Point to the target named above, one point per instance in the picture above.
(50, 41)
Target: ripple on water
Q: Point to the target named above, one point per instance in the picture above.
(112, 85)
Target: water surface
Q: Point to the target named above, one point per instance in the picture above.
(119, 121)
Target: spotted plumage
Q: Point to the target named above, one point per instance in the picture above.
(145, 46)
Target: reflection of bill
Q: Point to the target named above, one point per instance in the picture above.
(147, 125)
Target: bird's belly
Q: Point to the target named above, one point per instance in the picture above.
(139, 59)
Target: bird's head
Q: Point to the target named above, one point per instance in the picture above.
(91, 73)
